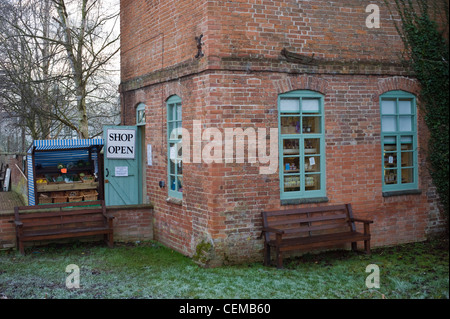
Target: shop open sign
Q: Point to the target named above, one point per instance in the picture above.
(121, 144)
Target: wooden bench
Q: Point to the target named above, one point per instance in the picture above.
(67, 220)
(311, 228)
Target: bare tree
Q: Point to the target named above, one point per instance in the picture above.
(88, 46)
(60, 52)
(25, 63)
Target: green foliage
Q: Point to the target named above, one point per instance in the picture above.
(202, 252)
(425, 34)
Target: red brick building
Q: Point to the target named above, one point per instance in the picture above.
(323, 74)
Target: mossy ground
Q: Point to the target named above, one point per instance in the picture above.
(149, 270)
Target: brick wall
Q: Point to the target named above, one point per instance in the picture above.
(158, 34)
(236, 84)
(132, 223)
(329, 29)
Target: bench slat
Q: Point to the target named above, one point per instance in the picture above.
(24, 217)
(305, 210)
(66, 233)
(60, 205)
(323, 242)
(62, 221)
(321, 238)
(305, 229)
(279, 222)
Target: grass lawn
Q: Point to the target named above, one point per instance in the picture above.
(149, 270)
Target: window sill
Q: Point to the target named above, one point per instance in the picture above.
(304, 201)
(403, 192)
(175, 201)
(137, 206)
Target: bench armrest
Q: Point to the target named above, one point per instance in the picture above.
(18, 223)
(272, 230)
(366, 224)
(366, 221)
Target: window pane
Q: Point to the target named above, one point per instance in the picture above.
(407, 159)
(291, 165)
(388, 107)
(390, 143)
(310, 105)
(141, 117)
(291, 183)
(389, 124)
(390, 160)
(312, 182)
(406, 140)
(311, 124)
(406, 143)
(172, 166)
(179, 131)
(407, 175)
(312, 146)
(172, 181)
(172, 152)
(180, 183)
(290, 125)
(170, 127)
(405, 107)
(405, 123)
(175, 131)
(289, 106)
(174, 112)
(178, 112)
(170, 114)
(312, 164)
(291, 147)
(179, 168)
(390, 176)
(179, 146)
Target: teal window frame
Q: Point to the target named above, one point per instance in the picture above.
(397, 144)
(140, 114)
(302, 137)
(174, 168)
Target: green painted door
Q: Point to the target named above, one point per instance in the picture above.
(121, 165)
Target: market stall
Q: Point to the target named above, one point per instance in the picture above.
(65, 171)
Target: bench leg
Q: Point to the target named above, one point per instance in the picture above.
(279, 259)
(21, 247)
(109, 240)
(266, 255)
(367, 246)
(354, 246)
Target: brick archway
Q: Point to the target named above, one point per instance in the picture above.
(301, 82)
(409, 85)
(174, 88)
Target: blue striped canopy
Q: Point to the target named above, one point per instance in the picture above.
(41, 145)
(49, 153)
